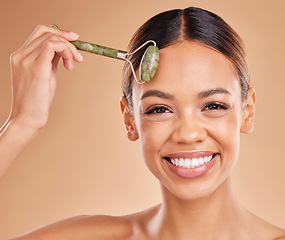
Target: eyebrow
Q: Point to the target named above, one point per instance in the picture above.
(210, 92)
(157, 93)
(203, 94)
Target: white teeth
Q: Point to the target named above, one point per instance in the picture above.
(206, 159)
(176, 162)
(195, 162)
(200, 160)
(181, 162)
(190, 163)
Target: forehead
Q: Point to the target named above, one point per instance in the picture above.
(191, 67)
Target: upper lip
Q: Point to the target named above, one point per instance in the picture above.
(193, 154)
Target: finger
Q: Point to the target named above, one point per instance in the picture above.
(49, 51)
(41, 29)
(55, 62)
(76, 54)
(53, 78)
(40, 41)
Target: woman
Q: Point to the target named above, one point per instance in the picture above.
(188, 119)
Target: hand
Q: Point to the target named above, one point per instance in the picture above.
(34, 68)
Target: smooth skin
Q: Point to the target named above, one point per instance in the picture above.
(176, 112)
(34, 68)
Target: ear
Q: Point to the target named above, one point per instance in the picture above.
(129, 120)
(248, 112)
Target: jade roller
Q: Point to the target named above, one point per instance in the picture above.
(148, 64)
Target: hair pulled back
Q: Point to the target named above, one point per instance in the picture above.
(190, 24)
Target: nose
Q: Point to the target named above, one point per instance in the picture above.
(188, 130)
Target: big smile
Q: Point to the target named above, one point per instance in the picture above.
(190, 163)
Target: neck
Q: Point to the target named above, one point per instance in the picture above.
(216, 216)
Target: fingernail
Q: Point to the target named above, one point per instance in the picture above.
(74, 34)
(80, 56)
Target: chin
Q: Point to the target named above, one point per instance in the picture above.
(191, 191)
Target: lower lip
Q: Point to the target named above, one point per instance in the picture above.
(192, 172)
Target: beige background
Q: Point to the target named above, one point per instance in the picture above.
(82, 162)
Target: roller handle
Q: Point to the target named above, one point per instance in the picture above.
(100, 50)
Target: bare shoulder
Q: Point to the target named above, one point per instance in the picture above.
(280, 238)
(99, 227)
(262, 229)
(275, 233)
(84, 227)
(279, 234)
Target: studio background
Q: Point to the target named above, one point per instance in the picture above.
(82, 162)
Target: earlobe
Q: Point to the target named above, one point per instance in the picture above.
(128, 120)
(248, 112)
(132, 134)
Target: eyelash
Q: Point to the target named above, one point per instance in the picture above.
(215, 106)
(156, 109)
(208, 107)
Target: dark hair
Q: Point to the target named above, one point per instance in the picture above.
(190, 24)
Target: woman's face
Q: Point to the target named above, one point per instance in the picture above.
(188, 119)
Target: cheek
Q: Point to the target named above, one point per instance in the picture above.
(153, 136)
(227, 134)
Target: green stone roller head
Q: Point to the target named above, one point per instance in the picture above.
(149, 61)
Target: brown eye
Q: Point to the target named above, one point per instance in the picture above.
(157, 109)
(215, 106)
